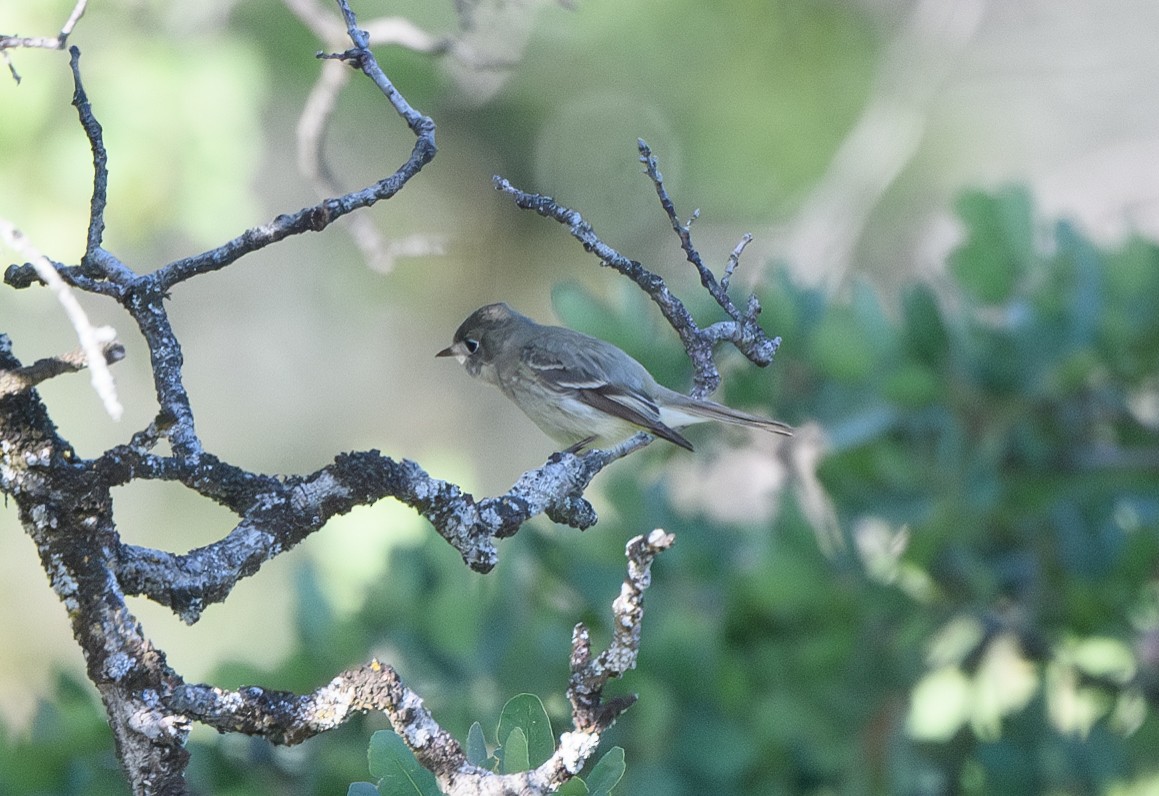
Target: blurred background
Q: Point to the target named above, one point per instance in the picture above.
(945, 583)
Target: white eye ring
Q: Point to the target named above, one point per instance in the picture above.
(472, 345)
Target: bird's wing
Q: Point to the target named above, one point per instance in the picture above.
(578, 371)
(633, 407)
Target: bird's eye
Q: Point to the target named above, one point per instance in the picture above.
(472, 345)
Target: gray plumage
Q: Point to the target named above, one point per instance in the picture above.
(582, 391)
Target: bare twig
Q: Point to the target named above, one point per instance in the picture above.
(92, 129)
(734, 260)
(92, 339)
(318, 112)
(699, 350)
(56, 42)
(590, 675)
(742, 330)
(318, 217)
(746, 325)
(684, 230)
(27, 377)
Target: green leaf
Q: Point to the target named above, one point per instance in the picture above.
(398, 772)
(999, 248)
(925, 331)
(513, 754)
(362, 789)
(607, 773)
(573, 787)
(526, 712)
(477, 754)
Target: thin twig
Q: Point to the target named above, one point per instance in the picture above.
(706, 378)
(318, 217)
(92, 129)
(27, 377)
(57, 42)
(742, 330)
(318, 111)
(718, 290)
(734, 260)
(92, 339)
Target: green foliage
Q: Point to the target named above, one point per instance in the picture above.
(67, 750)
(987, 626)
(1002, 249)
(1003, 451)
(513, 755)
(524, 730)
(606, 773)
(477, 754)
(573, 787)
(990, 462)
(398, 773)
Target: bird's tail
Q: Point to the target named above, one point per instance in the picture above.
(682, 410)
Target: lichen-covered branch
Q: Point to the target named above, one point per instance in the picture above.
(142, 295)
(65, 504)
(742, 331)
(70, 519)
(278, 513)
(286, 718)
(589, 675)
(320, 216)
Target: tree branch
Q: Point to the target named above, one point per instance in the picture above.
(286, 718)
(99, 199)
(276, 514)
(28, 376)
(743, 331)
(92, 339)
(318, 111)
(70, 519)
(56, 42)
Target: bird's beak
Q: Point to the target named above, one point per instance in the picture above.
(458, 351)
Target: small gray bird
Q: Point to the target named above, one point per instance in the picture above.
(581, 391)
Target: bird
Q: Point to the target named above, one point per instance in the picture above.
(581, 391)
